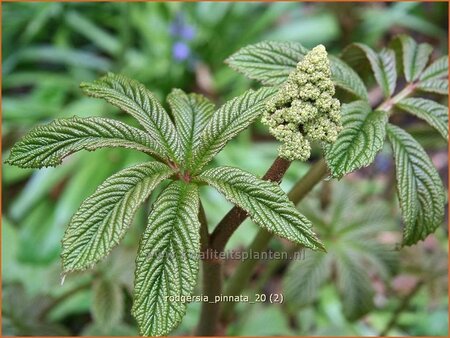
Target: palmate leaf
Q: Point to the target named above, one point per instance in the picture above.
(265, 202)
(359, 231)
(434, 113)
(229, 120)
(349, 227)
(382, 258)
(167, 262)
(271, 62)
(191, 113)
(382, 64)
(48, 145)
(135, 99)
(413, 57)
(360, 140)
(103, 218)
(353, 284)
(420, 190)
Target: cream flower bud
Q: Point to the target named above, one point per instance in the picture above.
(304, 108)
(297, 149)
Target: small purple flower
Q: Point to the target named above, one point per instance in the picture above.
(180, 29)
(180, 51)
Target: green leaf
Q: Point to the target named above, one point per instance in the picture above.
(271, 62)
(268, 62)
(414, 57)
(438, 69)
(305, 277)
(438, 86)
(346, 78)
(167, 260)
(265, 202)
(420, 190)
(107, 303)
(103, 218)
(229, 120)
(360, 140)
(382, 64)
(354, 285)
(135, 99)
(191, 113)
(434, 113)
(47, 145)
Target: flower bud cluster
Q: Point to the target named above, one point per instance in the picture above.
(304, 109)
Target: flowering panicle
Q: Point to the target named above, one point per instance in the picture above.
(304, 109)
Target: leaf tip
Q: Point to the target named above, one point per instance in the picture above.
(9, 161)
(319, 246)
(228, 60)
(24, 163)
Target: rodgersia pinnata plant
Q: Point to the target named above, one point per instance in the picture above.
(300, 102)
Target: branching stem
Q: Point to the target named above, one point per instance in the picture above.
(212, 287)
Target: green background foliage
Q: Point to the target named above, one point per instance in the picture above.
(49, 48)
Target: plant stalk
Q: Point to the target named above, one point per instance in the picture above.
(244, 272)
(204, 234)
(211, 282)
(212, 287)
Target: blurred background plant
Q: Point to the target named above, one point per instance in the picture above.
(49, 48)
